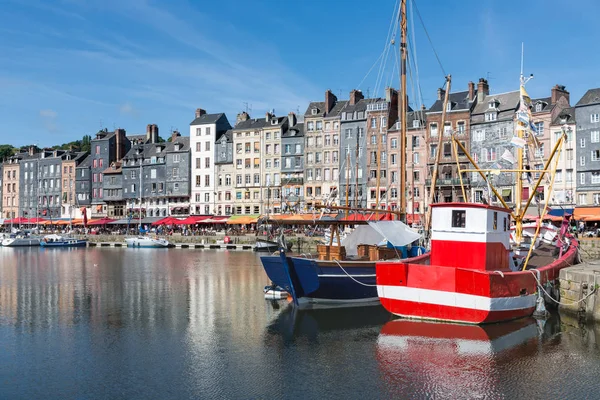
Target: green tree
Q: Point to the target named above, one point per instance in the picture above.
(6, 150)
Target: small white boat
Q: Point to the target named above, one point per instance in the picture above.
(15, 240)
(148, 242)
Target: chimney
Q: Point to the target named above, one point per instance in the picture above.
(423, 108)
(148, 133)
(200, 112)
(471, 91)
(268, 116)
(119, 143)
(31, 150)
(355, 97)
(243, 116)
(175, 135)
(292, 120)
(441, 94)
(154, 133)
(482, 89)
(330, 100)
(558, 91)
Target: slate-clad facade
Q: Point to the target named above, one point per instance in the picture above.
(587, 115)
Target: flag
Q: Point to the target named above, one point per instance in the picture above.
(508, 156)
(518, 142)
(523, 117)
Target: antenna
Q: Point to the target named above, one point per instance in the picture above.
(247, 107)
(368, 93)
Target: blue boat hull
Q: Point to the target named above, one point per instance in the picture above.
(79, 243)
(314, 282)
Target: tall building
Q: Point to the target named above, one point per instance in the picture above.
(416, 167)
(204, 130)
(178, 172)
(70, 206)
(271, 136)
(543, 112)
(225, 173)
(11, 187)
(564, 190)
(458, 122)
(83, 186)
(49, 183)
(492, 128)
(351, 155)
(321, 125)
(292, 166)
(587, 115)
(106, 148)
(29, 184)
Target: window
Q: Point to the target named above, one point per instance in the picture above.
(416, 176)
(175, 173)
(582, 178)
(595, 137)
(569, 176)
(247, 179)
(447, 150)
(207, 144)
(373, 123)
(432, 150)
(595, 155)
(460, 127)
(198, 131)
(310, 126)
(479, 135)
(582, 143)
(319, 125)
(153, 173)
(582, 161)
(492, 116)
(207, 162)
(276, 148)
(176, 158)
(206, 180)
(208, 131)
(287, 148)
(447, 128)
(97, 149)
(595, 177)
(433, 129)
(459, 218)
(336, 140)
(256, 179)
(373, 139)
(594, 117)
(394, 143)
(582, 199)
(238, 180)
(539, 128)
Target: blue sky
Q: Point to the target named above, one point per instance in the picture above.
(70, 67)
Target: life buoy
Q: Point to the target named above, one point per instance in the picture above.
(226, 240)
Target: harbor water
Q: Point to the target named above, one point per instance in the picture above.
(105, 323)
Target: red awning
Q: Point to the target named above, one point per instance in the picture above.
(167, 221)
(101, 221)
(413, 218)
(192, 219)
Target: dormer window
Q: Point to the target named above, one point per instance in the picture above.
(314, 111)
(538, 107)
(158, 149)
(416, 123)
(491, 116)
(449, 107)
(563, 120)
(177, 147)
(274, 121)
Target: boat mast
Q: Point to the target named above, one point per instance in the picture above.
(403, 111)
(347, 175)
(357, 153)
(438, 155)
(140, 209)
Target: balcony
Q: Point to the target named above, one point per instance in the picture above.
(448, 182)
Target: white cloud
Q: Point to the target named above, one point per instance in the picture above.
(48, 114)
(128, 109)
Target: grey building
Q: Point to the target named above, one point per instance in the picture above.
(28, 184)
(224, 148)
(83, 182)
(149, 160)
(107, 148)
(352, 155)
(587, 115)
(178, 175)
(492, 128)
(49, 183)
(224, 173)
(292, 165)
(112, 185)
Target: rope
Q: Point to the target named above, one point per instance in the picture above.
(428, 37)
(351, 277)
(556, 301)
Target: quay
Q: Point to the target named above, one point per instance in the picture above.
(579, 290)
(181, 245)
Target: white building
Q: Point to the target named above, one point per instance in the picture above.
(203, 133)
(565, 180)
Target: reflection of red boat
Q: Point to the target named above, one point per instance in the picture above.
(432, 359)
(473, 277)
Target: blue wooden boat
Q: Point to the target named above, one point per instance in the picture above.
(61, 241)
(347, 281)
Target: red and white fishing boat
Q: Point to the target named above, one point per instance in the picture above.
(473, 276)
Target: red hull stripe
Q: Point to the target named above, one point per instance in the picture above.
(410, 309)
(453, 299)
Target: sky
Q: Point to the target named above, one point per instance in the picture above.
(72, 67)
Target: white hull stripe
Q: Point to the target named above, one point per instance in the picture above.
(452, 299)
(346, 276)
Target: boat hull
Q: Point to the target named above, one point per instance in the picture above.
(67, 243)
(463, 295)
(319, 283)
(149, 243)
(21, 242)
(268, 246)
